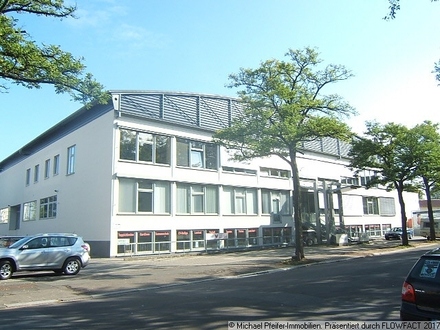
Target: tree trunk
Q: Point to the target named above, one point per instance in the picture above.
(430, 212)
(399, 187)
(299, 246)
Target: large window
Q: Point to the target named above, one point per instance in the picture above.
(384, 206)
(197, 199)
(143, 196)
(71, 155)
(196, 154)
(371, 205)
(239, 200)
(48, 207)
(276, 202)
(144, 147)
(30, 211)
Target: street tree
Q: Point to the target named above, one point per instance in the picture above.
(427, 153)
(24, 62)
(387, 150)
(283, 105)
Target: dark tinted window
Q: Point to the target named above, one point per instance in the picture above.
(427, 269)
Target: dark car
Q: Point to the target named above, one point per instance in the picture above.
(421, 289)
(396, 233)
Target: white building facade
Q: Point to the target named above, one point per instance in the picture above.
(142, 176)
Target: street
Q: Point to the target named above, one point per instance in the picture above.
(366, 288)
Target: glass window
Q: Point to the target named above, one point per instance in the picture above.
(56, 165)
(127, 147)
(197, 199)
(144, 196)
(182, 149)
(196, 154)
(47, 168)
(28, 177)
(239, 200)
(163, 149)
(371, 205)
(145, 147)
(48, 207)
(277, 202)
(387, 206)
(71, 154)
(4, 215)
(182, 199)
(30, 211)
(36, 173)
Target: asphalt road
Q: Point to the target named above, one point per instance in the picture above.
(204, 292)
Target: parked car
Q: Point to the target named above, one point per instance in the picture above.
(61, 253)
(421, 289)
(396, 233)
(6, 241)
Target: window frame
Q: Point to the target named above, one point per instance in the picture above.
(36, 173)
(196, 154)
(191, 194)
(48, 207)
(47, 169)
(30, 211)
(130, 192)
(158, 143)
(56, 165)
(71, 159)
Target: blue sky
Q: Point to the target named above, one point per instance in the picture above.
(193, 46)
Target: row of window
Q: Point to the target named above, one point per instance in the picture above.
(52, 166)
(143, 196)
(156, 149)
(47, 209)
(195, 240)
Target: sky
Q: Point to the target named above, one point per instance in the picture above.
(194, 45)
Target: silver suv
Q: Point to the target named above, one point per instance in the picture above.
(61, 253)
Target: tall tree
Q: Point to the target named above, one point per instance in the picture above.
(24, 62)
(389, 151)
(284, 105)
(427, 153)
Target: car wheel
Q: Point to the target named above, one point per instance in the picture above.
(72, 266)
(6, 270)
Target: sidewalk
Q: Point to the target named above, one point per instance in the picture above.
(111, 276)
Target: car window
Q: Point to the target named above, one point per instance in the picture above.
(62, 241)
(427, 269)
(38, 243)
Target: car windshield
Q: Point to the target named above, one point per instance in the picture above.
(18, 243)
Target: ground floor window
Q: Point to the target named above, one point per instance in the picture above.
(142, 242)
(373, 230)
